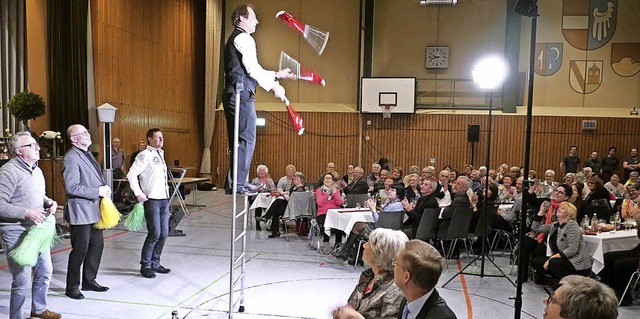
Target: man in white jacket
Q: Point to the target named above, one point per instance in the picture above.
(153, 191)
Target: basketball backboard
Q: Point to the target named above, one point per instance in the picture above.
(398, 94)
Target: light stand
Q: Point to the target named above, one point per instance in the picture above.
(488, 74)
(107, 115)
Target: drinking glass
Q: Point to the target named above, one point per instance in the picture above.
(357, 205)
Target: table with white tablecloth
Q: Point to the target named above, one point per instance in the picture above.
(263, 200)
(602, 243)
(344, 219)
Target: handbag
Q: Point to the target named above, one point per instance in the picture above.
(302, 226)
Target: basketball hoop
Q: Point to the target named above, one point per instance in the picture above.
(386, 110)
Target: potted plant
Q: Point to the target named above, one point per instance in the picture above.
(26, 106)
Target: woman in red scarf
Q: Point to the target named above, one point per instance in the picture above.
(534, 244)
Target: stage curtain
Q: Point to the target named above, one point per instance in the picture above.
(13, 59)
(212, 81)
(67, 63)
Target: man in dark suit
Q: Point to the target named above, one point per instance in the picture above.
(85, 186)
(416, 272)
(358, 185)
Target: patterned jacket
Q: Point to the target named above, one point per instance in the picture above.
(382, 302)
(569, 240)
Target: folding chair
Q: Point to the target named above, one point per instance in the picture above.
(458, 229)
(635, 277)
(484, 226)
(428, 227)
(391, 220)
(352, 199)
(301, 205)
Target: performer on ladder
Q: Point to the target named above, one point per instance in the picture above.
(241, 65)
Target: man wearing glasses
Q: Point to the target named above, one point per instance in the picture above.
(24, 204)
(85, 187)
(581, 298)
(416, 272)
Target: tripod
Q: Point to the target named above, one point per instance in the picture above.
(484, 218)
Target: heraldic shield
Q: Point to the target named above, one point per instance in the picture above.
(589, 24)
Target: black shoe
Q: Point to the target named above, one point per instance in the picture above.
(94, 286)
(74, 294)
(161, 270)
(258, 228)
(274, 235)
(147, 273)
(227, 191)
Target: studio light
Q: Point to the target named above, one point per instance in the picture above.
(489, 72)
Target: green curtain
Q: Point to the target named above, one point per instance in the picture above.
(67, 67)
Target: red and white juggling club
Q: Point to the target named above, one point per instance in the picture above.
(314, 36)
(301, 73)
(294, 118)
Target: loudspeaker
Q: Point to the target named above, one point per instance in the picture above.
(527, 8)
(473, 133)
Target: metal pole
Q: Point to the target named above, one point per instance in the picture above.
(486, 186)
(525, 184)
(107, 170)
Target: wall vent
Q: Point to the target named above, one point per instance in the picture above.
(589, 125)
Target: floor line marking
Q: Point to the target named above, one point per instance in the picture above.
(467, 299)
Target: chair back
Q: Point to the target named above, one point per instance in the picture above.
(484, 226)
(428, 227)
(301, 204)
(352, 199)
(459, 225)
(391, 220)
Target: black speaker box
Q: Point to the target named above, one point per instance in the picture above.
(473, 133)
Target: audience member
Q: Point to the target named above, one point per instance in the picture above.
(597, 192)
(581, 298)
(117, 158)
(633, 178)
(285, 182)
(141, 147)
(614, 186)
(413, 169)
(374, 176)
(397, 175)
(428, 190)
(327, 197)
(376, 295)
(569, 256)
(631, 164)
(262, 183)
(278, 207)
(348, 178)
(571, 162)
(594, 163)
(417, 270)
(610, 164)
(412, 190)
(358, 185)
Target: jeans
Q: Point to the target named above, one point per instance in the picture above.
(22, 275)
(156, 212)
(246, 134)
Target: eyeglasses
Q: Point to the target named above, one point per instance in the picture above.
(32, 145)
(560, 192)
(85, 133)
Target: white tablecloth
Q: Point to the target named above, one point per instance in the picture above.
(263, 200)
(344, 219)
(598, 245)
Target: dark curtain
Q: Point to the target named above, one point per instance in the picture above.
(67, 67)
(13, 60)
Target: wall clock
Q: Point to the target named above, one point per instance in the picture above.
(437, 57)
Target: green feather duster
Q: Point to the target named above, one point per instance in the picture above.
(135, 219)
(39, 238)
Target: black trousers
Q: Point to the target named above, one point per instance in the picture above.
(618, 268)
(558, 267)
(276, 210)
(531, 249)
(325, 238)
(87, 243)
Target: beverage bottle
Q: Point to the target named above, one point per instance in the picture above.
(594, 222)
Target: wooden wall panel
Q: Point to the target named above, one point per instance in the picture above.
(148, 59)
(408, 139)
(52, 171)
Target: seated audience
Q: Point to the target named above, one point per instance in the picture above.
(412, 191)
(396, 195)
(581, 298)
(614, 186)
(618, 268)
(277, 208)
(285, 182)
(265, 185)
(506, 191)
(633, 178)
(597, 191)
(429, 189)
(576, 198)
(534, 244)
(376, 295)
(328, 196)
(506, 218)
(374, 176)
(348, 178)
(569, 256)
(569, 178)
(381, 190)
(417, 270)
(413, 169)
(444, 199)
(629, 207)
(358, 184)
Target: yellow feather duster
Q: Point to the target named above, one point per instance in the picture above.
(109, 214)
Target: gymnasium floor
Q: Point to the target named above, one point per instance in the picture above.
(284, 279)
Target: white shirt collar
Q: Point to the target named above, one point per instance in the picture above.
(416, 305)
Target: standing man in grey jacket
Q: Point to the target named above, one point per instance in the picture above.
(24, 204)
(85, 186)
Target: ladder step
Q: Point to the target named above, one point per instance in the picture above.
(235, 283)
(242, 213)
(242, 234)
(239, 258)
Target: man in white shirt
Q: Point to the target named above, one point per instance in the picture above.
(416, 271)
(242, 69)
(153, 191)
